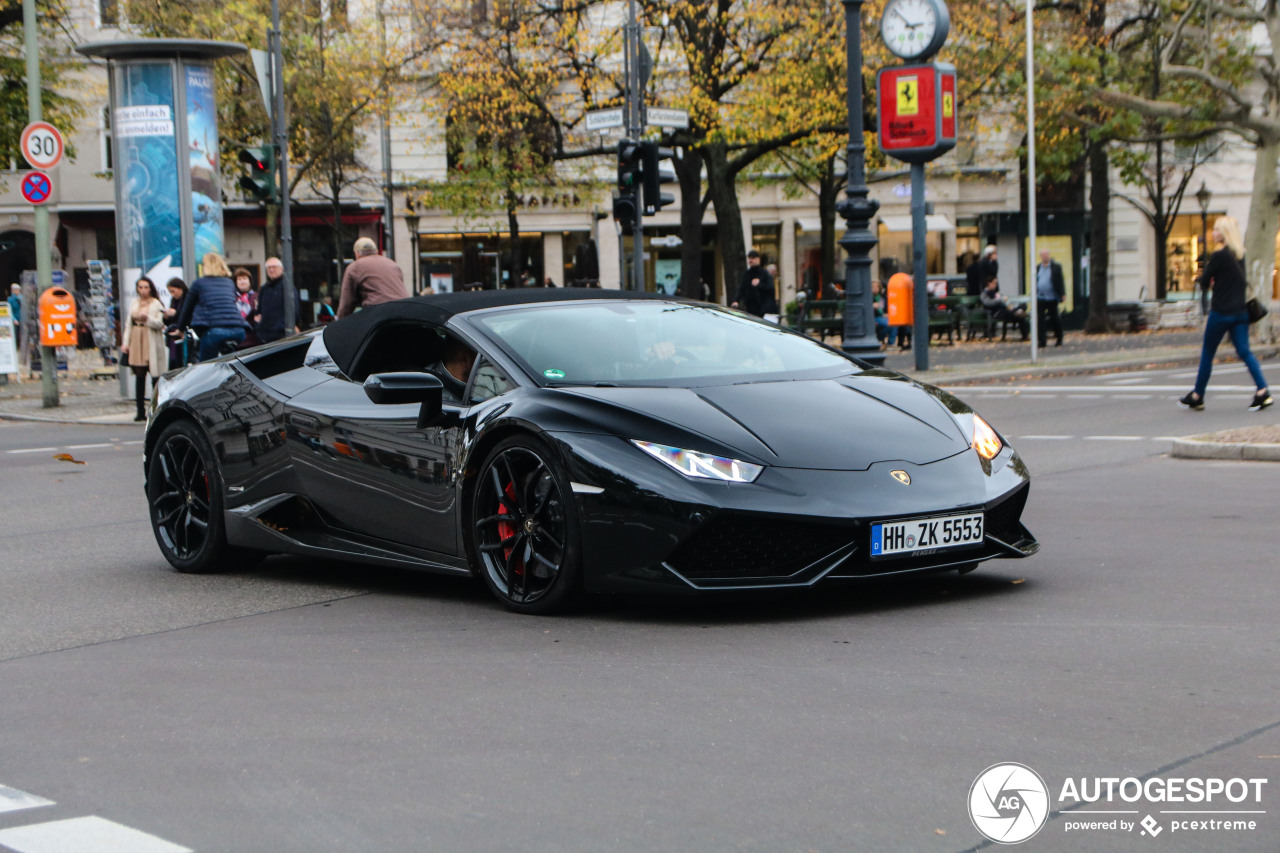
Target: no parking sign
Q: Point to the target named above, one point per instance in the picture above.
(37, 187)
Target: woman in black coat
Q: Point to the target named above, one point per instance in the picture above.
(1224, 273)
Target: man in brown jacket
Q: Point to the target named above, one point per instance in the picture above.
(369, 280)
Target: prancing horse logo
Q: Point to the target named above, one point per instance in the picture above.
(901, 476)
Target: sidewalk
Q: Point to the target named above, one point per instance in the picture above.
(89, 401)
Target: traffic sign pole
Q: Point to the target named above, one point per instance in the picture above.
(44, 271)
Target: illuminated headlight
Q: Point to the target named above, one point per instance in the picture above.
(702, 466)
(985, 440)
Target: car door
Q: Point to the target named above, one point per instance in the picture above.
(370, 467)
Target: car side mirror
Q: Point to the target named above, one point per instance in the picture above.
(408, 387)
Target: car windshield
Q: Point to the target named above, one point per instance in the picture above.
(654, 343)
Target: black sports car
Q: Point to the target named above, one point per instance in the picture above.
(560, 442)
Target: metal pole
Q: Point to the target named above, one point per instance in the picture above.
(44, 264)
(635, 127)
(282, 168)
(857, 210)
(1031, 182)
(389, 225)
(919, 273)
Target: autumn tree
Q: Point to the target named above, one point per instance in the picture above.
(57, 104)
(1232, 85)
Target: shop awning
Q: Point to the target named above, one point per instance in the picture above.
(932, 222)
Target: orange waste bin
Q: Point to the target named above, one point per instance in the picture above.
(901, 300)
(57, 318)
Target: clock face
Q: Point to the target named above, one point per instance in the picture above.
(914, 28)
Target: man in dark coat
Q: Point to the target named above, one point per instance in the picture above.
(755, 294)
(270, 316)
(1051, 289)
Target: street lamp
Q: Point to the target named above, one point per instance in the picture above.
(1202, 198)
(857, 210)
(411, 222)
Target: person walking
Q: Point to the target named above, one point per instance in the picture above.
(210, 308)
(1051, 289)
(269, 318)
(15, 311)
(1224, 273)
(371, 279)
(146, 346)
(755, 293)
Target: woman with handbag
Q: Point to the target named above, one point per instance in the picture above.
(1224, 273)
(145, 345)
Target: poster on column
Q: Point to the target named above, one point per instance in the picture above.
(149, 196)
(202, 136)
(8, 342)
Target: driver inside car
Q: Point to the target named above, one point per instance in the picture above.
(454, 367)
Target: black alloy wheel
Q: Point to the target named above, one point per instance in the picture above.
(524, 531)
(184, 490)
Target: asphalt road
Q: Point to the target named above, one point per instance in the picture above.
(333, 707)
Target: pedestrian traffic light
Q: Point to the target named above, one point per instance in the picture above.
(260, 183)
(624, 211)
(630, 163)
(654, 174)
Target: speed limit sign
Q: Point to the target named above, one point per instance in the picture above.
(42, 145)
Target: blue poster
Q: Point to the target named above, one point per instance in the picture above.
(202, 144)
(147, 171)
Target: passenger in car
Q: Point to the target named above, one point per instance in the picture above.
(454, 367)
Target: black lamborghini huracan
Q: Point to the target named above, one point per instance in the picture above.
(560, 442)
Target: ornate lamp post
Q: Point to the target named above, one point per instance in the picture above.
(411, 222)
(1202, 198)
(857, 210)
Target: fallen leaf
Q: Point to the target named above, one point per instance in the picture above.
(939, 832)
(1021, 580)
(67, 457)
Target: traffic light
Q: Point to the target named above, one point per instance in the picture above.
(624, 212)
(654, 174)
(630, 163)
(260, 183)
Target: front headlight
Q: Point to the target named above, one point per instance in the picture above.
(701, 466)
(985, 440)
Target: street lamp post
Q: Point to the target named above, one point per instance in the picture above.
(1202, 198)
(857, 210)
(411, 222)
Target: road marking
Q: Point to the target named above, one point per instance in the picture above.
(12, 800)
(80, 834)
(115, 445)
(1086, 396)
(88, 446)
(1043, 437)
(33, 450)
(1114, 438)
(1135, 380)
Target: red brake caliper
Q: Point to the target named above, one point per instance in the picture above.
(507, 530)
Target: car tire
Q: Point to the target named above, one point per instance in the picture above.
(524, 529)
(184, 492)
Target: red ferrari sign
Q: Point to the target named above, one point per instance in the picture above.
(917, 109)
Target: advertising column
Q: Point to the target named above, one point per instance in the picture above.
(202, 153)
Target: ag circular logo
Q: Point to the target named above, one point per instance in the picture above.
(1008, 803)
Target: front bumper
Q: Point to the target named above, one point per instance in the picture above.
(654, 530)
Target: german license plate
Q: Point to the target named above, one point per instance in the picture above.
(922, 536)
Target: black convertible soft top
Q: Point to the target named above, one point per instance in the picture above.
(345, 338)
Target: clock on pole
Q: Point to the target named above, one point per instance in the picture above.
(915, 29)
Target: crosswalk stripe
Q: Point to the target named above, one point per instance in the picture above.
(81, 834)
(12, 800)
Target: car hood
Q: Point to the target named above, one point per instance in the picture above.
(845, 424)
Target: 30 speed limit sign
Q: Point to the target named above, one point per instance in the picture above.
(42, 145)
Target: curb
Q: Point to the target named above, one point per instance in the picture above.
(93, 420)
(1191, 448)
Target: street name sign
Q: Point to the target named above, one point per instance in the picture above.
(42, 145)
(604, 119)
(662, 117)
